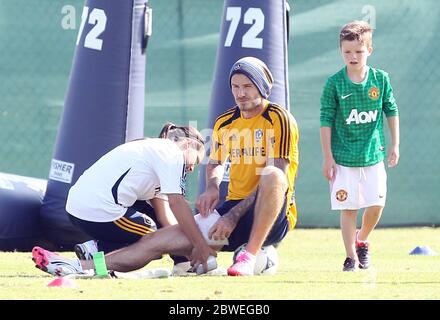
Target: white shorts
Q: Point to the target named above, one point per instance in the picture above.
(354, 188)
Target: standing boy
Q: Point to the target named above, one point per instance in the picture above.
(352, 106)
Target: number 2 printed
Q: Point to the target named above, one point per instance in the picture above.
(252, 16)
(97, 18)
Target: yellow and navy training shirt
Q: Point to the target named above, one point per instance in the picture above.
(250, 144)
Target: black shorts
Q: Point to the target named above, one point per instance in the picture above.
(242, 231)
(139, 220)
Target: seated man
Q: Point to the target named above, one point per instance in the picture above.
(261, 140)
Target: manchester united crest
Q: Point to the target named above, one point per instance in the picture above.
(341, 195)
(374, 93)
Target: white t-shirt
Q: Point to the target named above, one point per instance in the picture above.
(138, 170)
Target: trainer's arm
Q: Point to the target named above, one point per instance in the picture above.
(163, 212)
(185, 218)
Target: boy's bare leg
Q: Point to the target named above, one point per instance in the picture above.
(370, 219)
(348, 229)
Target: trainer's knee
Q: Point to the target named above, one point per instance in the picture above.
(273, 177)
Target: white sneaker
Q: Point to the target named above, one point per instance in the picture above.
(185, 269)
(182, 269)
(54, 264)
(244, 265)
(85, 251)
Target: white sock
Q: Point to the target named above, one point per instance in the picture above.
(77, 264)
(92, 246)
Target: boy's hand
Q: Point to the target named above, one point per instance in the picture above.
(329, 168)
(393, 156)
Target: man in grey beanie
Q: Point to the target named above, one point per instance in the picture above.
(260, 139)
(257, 71)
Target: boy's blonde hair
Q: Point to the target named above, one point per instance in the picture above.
(357, 30)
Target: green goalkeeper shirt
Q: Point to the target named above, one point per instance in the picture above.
(354, 111)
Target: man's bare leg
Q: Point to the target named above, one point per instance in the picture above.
(270, 200)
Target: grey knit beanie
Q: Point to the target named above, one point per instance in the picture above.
(257, 71)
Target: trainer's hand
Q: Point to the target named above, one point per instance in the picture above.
(200, 255)
(329, 168)
(222, 229)
(207, 201)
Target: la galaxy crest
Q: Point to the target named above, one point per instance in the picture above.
(258, 136)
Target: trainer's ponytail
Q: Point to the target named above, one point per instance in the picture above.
(176, 133)
(164, 133)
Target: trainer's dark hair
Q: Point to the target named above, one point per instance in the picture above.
(173, 132)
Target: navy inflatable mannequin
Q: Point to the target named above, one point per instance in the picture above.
(20, 203)
(104, 107)
(249, 28)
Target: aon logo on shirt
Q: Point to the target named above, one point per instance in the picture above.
(361, 117)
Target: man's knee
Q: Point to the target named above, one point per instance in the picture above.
(273, 177)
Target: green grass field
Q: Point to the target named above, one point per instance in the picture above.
(310, 268)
